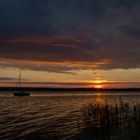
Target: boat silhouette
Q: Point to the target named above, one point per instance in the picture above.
(20, 91)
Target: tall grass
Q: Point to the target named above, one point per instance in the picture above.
(111, 121)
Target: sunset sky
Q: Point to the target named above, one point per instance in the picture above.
(70, 43)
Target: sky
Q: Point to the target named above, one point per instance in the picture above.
(70, 43)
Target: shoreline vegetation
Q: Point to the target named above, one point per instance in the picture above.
(66, 89)
(117, 121)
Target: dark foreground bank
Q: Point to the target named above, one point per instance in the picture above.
(117, 121)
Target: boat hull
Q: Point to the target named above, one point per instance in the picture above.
(21, 93)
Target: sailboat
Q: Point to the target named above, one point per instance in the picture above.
(20, 92)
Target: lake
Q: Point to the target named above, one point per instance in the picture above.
(50, 115)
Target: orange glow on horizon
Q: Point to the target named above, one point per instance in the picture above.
(99, 86)
(99, 81)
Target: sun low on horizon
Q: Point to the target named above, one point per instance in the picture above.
(99, 87)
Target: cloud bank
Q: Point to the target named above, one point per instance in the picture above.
(65, 36)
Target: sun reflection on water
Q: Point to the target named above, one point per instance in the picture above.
(99, 98)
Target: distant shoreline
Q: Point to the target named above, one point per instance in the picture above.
(66, 89)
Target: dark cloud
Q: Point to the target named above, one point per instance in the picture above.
(51, 16)
(70, 35)
(131, 31)
(7, 79)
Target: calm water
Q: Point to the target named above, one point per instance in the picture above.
(50, 116)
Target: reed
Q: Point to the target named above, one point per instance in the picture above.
(120, 120)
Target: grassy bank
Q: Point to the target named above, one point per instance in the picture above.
(111, 121)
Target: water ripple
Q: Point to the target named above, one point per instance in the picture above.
(45, 117)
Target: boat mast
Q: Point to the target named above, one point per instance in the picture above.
(18, 84)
